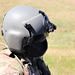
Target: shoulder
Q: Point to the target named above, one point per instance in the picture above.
(10, 65)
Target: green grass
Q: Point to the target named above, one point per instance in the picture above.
(60, 65)
(62, 41)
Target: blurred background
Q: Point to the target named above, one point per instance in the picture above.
(60, 55)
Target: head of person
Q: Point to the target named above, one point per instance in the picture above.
(24, 29)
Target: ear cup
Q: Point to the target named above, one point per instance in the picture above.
(38, 49)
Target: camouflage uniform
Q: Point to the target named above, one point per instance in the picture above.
(10, 66)
(15, 66)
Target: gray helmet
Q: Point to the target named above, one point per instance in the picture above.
(22, 24)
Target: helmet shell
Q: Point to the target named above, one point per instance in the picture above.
(14, 22)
